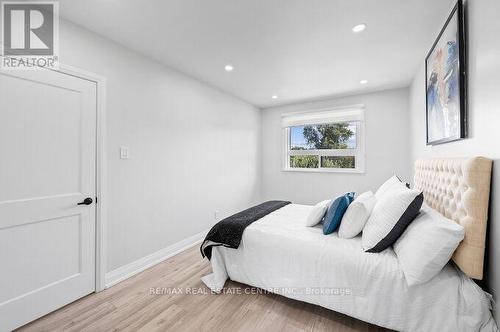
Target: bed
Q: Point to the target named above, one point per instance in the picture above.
(277, 253)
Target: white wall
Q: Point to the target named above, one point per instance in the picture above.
(386, 149)
(194, 149)
(484, 116)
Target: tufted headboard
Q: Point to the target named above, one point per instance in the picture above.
(459, 189)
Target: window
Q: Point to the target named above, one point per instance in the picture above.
(328, 141)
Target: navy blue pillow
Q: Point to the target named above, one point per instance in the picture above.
(335, 213)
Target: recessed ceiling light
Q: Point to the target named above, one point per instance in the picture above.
(274, 97)
(228, 68)
(363, 82)
(359, 28)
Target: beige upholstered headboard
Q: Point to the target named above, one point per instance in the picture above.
(459, 189)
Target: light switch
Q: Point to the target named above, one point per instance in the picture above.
(124, 152)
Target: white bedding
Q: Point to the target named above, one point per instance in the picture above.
(280, 254)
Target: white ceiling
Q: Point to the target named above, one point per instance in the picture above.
(296, 49)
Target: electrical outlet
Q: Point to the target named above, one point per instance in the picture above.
(124, 152)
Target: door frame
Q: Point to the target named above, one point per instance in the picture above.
(101, 170)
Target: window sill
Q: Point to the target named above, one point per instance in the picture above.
(324, 170)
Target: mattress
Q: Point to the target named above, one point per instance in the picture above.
(279, 254)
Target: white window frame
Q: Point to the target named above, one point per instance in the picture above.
(349, 114)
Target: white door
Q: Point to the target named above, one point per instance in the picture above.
(47, 166)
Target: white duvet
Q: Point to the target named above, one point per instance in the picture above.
(278, 253)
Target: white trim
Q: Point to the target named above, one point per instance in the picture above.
(324, 109)
(324, 170)
(324, 152)
(124, 272)
(353, 114)
(101, 170)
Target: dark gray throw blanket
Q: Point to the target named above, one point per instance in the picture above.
(228, 232)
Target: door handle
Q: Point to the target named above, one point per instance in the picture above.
(86, 201)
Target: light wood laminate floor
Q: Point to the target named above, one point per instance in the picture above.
(132, 306)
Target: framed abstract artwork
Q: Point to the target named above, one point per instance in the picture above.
(445, 77)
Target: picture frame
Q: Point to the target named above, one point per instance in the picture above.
(445, 82)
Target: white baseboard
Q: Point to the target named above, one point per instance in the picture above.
(131, 269)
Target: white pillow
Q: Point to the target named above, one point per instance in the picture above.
(317, 213)
(390, 217)
(427, 245)
(357, 214)
(393, 183)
